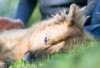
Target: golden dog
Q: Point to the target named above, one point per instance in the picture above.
(44, 38)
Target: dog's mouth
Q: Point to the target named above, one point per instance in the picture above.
(38, 54)
(35, 55)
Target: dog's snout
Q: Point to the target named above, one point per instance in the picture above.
(28, 56)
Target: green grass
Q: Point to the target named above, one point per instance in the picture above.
(8, 9)
(84, 56)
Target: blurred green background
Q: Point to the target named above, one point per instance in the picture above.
(8, 9)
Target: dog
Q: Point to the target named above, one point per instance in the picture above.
(44, 38)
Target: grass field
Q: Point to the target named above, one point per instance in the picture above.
(78, 56)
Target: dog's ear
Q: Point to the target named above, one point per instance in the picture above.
(72, 11)
(75, 16)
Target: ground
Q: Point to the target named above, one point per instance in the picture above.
(85, 56)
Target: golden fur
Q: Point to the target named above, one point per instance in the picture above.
(46, 37)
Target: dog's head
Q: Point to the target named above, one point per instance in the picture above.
(63, 28)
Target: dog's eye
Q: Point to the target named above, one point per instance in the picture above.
(45, 40)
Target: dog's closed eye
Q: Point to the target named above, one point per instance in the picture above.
(46, 40)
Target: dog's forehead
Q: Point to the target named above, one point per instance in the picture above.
(49, 32)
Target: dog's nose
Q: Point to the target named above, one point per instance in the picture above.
(27, 57)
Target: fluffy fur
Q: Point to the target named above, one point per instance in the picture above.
(46, 37)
